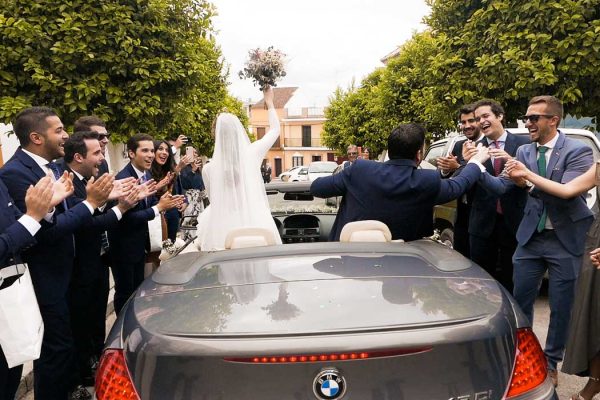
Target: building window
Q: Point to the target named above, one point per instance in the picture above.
(297, 161)
(316, 158)
(306, 135)
(260, 132)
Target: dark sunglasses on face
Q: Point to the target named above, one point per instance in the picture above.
(352, 153)
(534, 117)
(104, 135)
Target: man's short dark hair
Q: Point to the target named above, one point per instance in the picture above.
(466, 109)
(86, 123)
(32, 119)
(76, 144)
(405, 141)
(496, 108)
(134, 142)
(553, 105)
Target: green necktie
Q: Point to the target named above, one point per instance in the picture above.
(542, 170)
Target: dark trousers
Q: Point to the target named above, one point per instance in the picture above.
(128, 275)
(545, 252)
(494, 253)
(461, 229)
(99, 309)
(52, 372)
(9, 379)
(88, 297)
(172, 217)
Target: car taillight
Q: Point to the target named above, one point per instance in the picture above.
(113, 381)
(530, 368)
(304, 358)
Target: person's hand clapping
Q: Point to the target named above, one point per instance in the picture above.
(130, 199)
(482, 154)
(468, 150)
(63, 188)
(185, 160)
(121, 188)
(448, 164)
(165, 181)
(169, 201)
(38, 198)
(99, 189)
(148, 188)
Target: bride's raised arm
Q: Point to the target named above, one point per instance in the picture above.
(261, 146)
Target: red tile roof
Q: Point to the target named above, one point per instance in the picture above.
(281, 96)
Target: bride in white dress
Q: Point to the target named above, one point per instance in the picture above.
(234, 183)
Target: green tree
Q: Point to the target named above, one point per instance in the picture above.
(511, 50)
(143, 65)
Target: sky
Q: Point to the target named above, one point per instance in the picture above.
(328, 43)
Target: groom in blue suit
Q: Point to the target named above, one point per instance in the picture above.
(552, 233)
(396, 192)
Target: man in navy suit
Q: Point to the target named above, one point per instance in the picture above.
(17, 234)
(494, 219)
(552, 234)
(83, 157)
(102, 285)
(130, 241)
(450, 166)
(396, 192)
(42, 137)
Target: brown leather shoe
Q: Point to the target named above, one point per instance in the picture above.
(553, 374)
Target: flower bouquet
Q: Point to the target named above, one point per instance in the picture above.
(264, 67)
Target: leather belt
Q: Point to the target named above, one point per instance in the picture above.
(12, 270)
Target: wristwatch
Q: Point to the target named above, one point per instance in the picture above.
(529, 185)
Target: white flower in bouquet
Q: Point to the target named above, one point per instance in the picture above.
(264, 67)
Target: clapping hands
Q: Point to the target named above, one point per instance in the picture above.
(39, 197)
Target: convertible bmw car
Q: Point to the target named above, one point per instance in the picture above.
(365, 318)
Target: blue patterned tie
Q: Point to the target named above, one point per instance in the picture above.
(54, 168)
(542, 170)
(55, 171)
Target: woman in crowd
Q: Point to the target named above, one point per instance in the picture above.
(234, 183)
(582, 354)
(166, 173)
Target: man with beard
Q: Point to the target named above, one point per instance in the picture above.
(552, 234)
(450, 165)
(494, 219)
(42, 137)
(83, 157)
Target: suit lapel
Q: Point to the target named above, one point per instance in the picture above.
(555, 155)
(30, 163)
(532, 158)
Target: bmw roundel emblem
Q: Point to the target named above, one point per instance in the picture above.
(329, 384)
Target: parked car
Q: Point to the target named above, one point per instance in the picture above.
(295, 174)
(322, 320)
(445, 214)
(318, 169)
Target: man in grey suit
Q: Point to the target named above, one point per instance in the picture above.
(552, 233)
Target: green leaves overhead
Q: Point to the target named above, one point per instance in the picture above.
(143, 65)
(507, 50)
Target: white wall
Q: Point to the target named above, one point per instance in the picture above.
(9, 143)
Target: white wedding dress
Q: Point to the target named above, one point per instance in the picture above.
(234, 183)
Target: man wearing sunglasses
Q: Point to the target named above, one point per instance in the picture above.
(352, 153)
(552, 234)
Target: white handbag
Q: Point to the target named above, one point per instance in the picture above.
(21, 325)
(155, 229)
